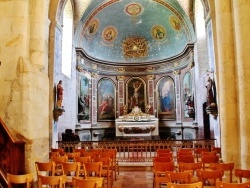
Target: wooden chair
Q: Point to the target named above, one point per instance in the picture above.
(240, 173)
(185, 158)
(93, 169)
(191, 166)
(81, 150)
(71, 156)
(26, 179)
(207, 160)
(82, 161)
(208, 153)
(58, 181)
(70, 170)
(220, 184)
(58, 161)
(107, 170)
(225, 167)
(116, 164)
(159, 170)
(207, 175)
(59, 150)
(87, 183)
(112, 155)
(218, 150)
(189, 185)
(45, 168)
(198, 151)
(180, 177)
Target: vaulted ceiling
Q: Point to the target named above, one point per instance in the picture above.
(121, 33)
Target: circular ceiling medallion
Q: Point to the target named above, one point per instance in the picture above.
(158, 32)
(133, 9)
(93, 26)
(109, 34)
(175, 22)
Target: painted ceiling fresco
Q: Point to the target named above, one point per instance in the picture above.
(134, 31)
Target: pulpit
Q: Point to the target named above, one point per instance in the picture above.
(137, 123)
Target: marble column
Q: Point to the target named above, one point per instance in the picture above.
(227, 95)
(241, 15)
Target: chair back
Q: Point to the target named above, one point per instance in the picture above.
(83, 160)
(87, 183)
(190, 166)
(224, 166)
(93, 169)
(188, 185)
(45, 168)
(163, 166)
(206, 160)
(208, 153)
(165, 150)
(59, 181)
(170, 154)
(240, 173)
(185, 158)
(72, 155)
(180, 177)
(218, 150)
(215, 175)
(20, 179)
(59, 150)
(81, 150)
(220, 184)
(163, 159)
(198, 151)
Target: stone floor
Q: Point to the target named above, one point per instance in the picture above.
(134, 177)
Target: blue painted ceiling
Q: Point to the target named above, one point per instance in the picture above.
(134, 31)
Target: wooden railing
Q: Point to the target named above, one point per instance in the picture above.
(137, 150)
(12, 154)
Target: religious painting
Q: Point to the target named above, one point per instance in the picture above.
(166, 98)
(93, 26)
(133, 9)
(158, 32)
(109, 34)
(136, 94)
(175, 22)
(187, 91)
(83, 99)
(106, 100)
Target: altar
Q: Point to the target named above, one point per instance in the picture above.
(137, 123)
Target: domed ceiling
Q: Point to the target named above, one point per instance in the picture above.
(133, 32)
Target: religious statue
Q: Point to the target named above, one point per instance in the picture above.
(135, 97)
(59, 94)
(210, 96)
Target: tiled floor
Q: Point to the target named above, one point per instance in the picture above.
(134, 177)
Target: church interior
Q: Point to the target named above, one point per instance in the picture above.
(105, 71)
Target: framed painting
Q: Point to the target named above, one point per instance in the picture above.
(166, 98)
(187, 91)
(136, 93)
(83, 99)
(106, 100)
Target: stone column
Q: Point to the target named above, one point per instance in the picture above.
(151, 92)
(228, 111)
(241, 20)
(120, 95)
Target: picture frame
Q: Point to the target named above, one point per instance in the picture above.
(187, 91)
(136, 93)
(166, 102)
(84, 99)
(106, 97)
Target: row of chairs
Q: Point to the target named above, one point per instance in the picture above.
(193, 172)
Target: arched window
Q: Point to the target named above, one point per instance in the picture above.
(67, 39)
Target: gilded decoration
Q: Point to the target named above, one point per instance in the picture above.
(121, 78)
(158, 32)
(135, 47)
(93, 26)
(109, 34)
(150, 77)
(176, 72)
(175, 22)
